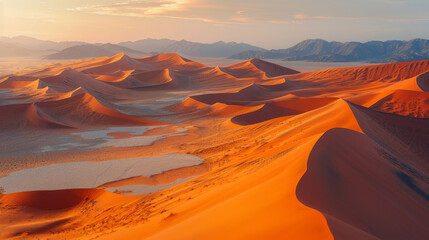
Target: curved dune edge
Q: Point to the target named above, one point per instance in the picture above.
(357, 188)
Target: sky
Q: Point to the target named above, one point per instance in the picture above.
(271, 24)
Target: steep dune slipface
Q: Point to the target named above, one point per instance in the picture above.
(423, 81)
(363, 191)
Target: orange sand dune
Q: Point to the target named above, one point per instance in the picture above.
(23, 116)
(410, 85)
(254, 94)
(84, 110)
(120, 62)
(70, 80)
(114, 77)
(145, 79)
(81, 110)
(406, 103)
(187, 105)
(331, 154)
(283, 108)
(18, 84)
(257, 68)
(362, 75)
(170, 60)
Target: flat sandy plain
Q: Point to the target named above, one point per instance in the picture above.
(165, 147)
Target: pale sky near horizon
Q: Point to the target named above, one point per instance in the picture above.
(266, 23)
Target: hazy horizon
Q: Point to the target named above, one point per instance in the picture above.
(272, 24)
(220, 40)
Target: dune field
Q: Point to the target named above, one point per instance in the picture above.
(164, 147)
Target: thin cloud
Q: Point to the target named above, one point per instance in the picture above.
(174, 9)
(147, 9)
(301, 16)
(241, 19)
(304, 17)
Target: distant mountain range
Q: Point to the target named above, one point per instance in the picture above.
(34, 44)
(309, 50)
(22, 46)
(319, 50)
(94, 51)
(191, 49)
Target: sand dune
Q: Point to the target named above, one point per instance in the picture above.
(283, 108)
(24, 115)
(257, 68)
(85, 110)
(169, 60)
(114, 64)
(76, 111)
(332, 154)
(145, 79)
(251, 95)
(406, 103)
(362, 75)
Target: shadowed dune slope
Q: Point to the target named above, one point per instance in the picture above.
(52, 200)
(423, 81)
(363, 191)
